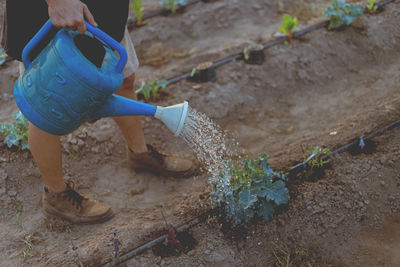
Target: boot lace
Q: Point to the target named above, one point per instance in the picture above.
(155, 154)
(71, 194)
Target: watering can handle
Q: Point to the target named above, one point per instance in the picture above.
(97, 32)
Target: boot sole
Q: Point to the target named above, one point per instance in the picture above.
(76, 219)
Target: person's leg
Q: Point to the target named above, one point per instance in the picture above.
(60, 199)
(46, 150)
(131, 126)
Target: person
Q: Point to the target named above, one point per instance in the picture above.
(23, 19)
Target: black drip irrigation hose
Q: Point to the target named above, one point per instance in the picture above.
(267, 45)
(136, 251)
(240, 56)
(384, 2)
(301, 166)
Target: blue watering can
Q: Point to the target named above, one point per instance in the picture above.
(61, 88)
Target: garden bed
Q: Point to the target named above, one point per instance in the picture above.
(326, 89)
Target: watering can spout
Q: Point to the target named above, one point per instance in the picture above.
(173, 116)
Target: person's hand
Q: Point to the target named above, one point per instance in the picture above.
(70, 14)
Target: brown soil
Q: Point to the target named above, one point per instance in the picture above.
(344, 82)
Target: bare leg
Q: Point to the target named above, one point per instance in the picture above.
(131, 126)
(46, 150)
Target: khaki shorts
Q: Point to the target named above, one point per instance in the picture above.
(132, 63)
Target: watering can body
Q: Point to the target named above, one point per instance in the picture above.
(61, 88)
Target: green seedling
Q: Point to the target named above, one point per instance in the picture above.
(16, 134)
(151, 88)
(342, 14)
(19, 208)
(137, 8)
(172, 5)
(193, 72)
(246, 53)
(314, 157)
(3, 56)
(72, 155)
(27, 252)
(253, 190)
(288, 25)
(371, 7)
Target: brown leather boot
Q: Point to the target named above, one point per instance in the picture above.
(75, 208)
(165, 165)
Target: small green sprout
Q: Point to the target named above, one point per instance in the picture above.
(314, 159)
(246, 53)
(137, 8)
(172, 5)
(28, 241)
(72, 155)
(19, 208)
(16, 134)
(288, 25)
(3, 56)
(371, 7)
(342, 14)
(151, 88)
(193, 72)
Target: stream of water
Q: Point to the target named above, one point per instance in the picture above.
(209, 142)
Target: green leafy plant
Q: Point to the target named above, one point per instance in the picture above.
(28, 241)
(16, 134)
(314, 159)
(72, 155)
(172, 5)
(371, 7)
(3, 56)
(19, 208)
(151, 88)
(288, 25)
(251, 191)
(137, 8)
(341, 14)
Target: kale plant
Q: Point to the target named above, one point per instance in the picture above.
(251, 191)
(172, 5)
(3, 56)
(315, 157)
(341, 14)
(288, 25)
(16, 134)
(151, 88)
(137, 8)
(371, 7)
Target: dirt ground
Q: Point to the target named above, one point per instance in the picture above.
(325, 89)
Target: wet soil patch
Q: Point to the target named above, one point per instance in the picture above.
(362, 147)
(183, 243)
